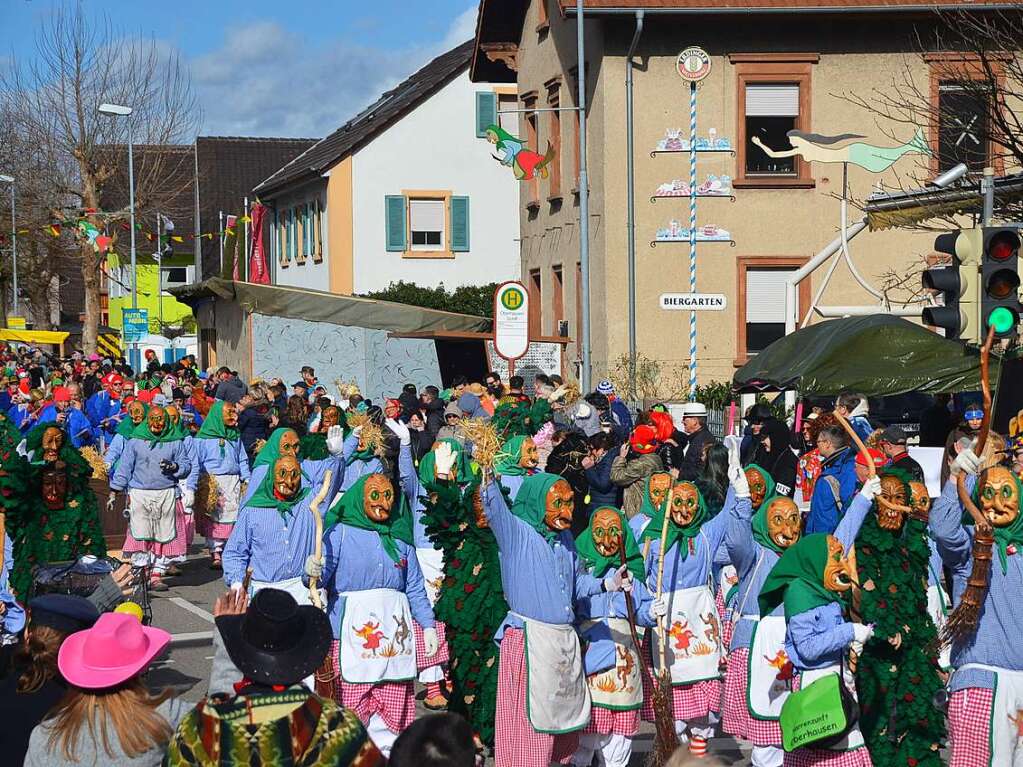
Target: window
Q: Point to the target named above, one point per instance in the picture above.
(317, 231)
(543, 21)
(175, 276)
(529, 102)
(773, 99)
(486, 112)
(761, 302)
(509, 119)
(557, 296)
(963, 125)
(426, 224)
(554, 101)
(535, 309)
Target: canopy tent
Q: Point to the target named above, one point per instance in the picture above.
(33, 337)
(877, 355)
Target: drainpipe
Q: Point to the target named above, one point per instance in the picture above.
(584, 196)
(631, 195)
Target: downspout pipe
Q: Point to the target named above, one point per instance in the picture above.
(631, 195)
(584, 197)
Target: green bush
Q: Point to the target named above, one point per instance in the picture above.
(476, 300)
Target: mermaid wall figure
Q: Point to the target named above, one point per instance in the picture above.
(815, 147)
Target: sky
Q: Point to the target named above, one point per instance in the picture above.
(295, 68)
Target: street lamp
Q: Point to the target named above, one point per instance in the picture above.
(14, 241)
(117, 110)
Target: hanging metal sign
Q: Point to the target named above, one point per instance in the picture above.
(693, 64)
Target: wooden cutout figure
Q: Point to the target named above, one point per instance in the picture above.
(814, 147)
(525, 163)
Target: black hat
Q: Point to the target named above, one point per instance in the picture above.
(276, 641)
(300, 385)
(63, 612)
(894, 435)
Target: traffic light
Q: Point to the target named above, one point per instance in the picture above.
(1000, 307)
(958, 284)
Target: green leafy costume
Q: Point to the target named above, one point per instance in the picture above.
(518, 418)
(895, 687)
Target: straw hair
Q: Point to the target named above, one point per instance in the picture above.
(347, 389)
(207, 494)
(486, 445)
(99, 469)
(128, 709)
(572, 393)
(355, 420)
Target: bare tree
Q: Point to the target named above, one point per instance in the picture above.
(79, 63)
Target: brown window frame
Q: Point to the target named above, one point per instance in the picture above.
(543, 18)
(744, 264)
(786, 68)
(557, 297)
(534, 289)
(531, 120)
(578, 295)
(554, 131)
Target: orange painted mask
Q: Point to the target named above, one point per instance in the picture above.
(559, 505)
(606, 529)
(378, 498)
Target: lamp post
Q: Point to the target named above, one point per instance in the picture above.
(14, 241)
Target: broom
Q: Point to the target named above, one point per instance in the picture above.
(666, 740)
(326, 673)
(962, 622)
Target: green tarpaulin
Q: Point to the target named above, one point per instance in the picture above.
(877, 355)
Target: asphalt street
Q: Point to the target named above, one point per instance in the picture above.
(186, 611)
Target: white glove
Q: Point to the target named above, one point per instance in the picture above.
(111, 500)
(444, 459)
(620, 581)
(659, 607)
(862, 632)
(557, 393)
(400, 430)
(739, 483)
(344, 403)
(871, 488)
(314, 566)
(583, 410)
(430, 641)
(967, 461)
(335, 440)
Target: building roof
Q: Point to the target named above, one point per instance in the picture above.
(385, 111)
(711, 6)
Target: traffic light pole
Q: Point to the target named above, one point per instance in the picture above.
(987, 189)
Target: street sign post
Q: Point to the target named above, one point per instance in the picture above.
(693, 302)
(511, 321)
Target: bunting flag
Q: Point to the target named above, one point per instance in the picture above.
(54, 230)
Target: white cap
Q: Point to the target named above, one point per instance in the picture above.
(694, 409)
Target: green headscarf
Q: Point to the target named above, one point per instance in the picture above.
(676, 534)
(214, 427)
(646, 506)
(503, 135)
(531, 502)
(768, 481)
(594, 560)
(171, 432)
(126, 427)
(760, 532)
(463, 465)
(271, 450)
(797, 578)
(507, 462)
(264, 497)
(349, 510)
(1004, 536)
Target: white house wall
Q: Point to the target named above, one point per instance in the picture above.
(434, 147)
(311, 274)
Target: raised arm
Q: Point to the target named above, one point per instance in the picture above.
(739, 543)
(849, 525)
(415, 590)
(351, 445)
(945, 525)
(774, 153)
(501, 520)
(407, 473)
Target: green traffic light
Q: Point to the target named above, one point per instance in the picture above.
(1002, 320)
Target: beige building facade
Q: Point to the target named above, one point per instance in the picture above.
(772, 69)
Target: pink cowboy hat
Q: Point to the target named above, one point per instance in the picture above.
(114, 650)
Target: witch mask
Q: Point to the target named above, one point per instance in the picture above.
(660, 483)
(53, 441)
(783, 522)
(331, 417)
(757, 487)
(999, 496)
(54, 486)
(892, 504)
(287, 477)
(529, 457)
(839, 571)
(230, 414)
(559, 504)
(685, 503)
(919, 500)
(288, 444)
(157, 419)
(606, 529)
(378, 498)
(137, 412)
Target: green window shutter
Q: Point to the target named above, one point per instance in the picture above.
(486, 112)
(396, 222)
(306, 232)
(460, 224)
(292, 235)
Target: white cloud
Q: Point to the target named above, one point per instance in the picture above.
(266, 81)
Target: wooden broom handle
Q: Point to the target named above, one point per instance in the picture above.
(660, 573)
(314, 507)
(982, 435)
(871, 469)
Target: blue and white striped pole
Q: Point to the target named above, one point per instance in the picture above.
(692, 237)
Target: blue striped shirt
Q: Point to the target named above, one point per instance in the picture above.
(208, 459)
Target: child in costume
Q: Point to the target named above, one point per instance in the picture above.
(612, 657)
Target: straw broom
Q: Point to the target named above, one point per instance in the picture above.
(666, 740)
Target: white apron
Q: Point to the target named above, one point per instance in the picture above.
(293, 586)
(937, 608)
(377, 643)
(557, 698)
(854, 739)
(770, 671)
(431, 562)
(1006, 716)
(693, 636)
(229, 495)
(619, 688)
(151, 514)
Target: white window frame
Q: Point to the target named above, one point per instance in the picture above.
(438, 210)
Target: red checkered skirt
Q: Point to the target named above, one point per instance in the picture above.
(184, 529)
(516, 743)
(821, 757)
(393, 701)
(688, 701)
(604, 721)
(424, 661)
(205, 526)
(737, 719)
(969, 727)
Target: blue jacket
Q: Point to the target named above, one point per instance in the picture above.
(76, 424)
(824, 514)
(603, 492)
(621, 414)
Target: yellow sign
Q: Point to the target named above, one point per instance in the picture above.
(16, 323)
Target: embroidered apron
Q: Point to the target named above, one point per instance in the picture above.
(770, 670)
(557, 698)
(229, 493)
(1006, 716)
(151, 514)
(619, 688)
(693, 636)
(854, 738)
(431, 562)
(937, 608)
(377, 643)
(293, 586)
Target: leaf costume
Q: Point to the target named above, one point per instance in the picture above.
(516, 417)
(895, 687)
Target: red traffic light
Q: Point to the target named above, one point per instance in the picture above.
(1003, 246)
